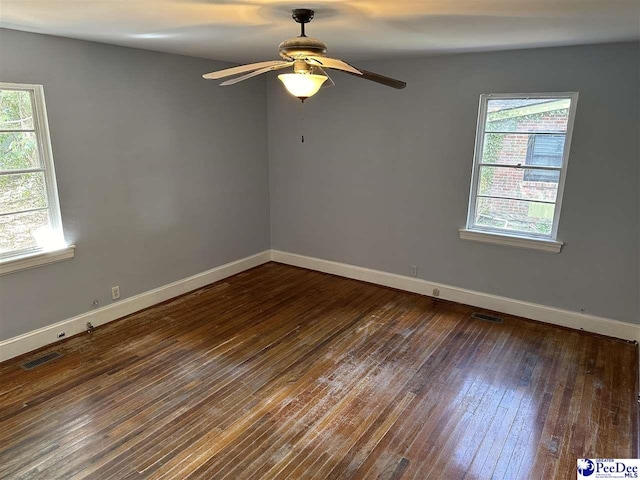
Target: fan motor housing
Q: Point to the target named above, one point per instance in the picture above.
(299, 47)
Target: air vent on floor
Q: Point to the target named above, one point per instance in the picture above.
(40, 360)
(488, 318)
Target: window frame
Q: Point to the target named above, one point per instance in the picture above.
(43, 138)
(493, 232)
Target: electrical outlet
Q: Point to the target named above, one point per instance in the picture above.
(62, 334)
(436, 292)
(115, 292)
(413, 271)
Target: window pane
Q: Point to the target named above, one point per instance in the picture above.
(18, 151)
(545, 151)
(533, 115)
(22, 192)
(19, 231)
(15, 110)
(517, 183)
(515, 215)
(527, 149)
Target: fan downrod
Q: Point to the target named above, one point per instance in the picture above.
(302, 16)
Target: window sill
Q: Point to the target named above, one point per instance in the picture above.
(551, 246)
(36, 259)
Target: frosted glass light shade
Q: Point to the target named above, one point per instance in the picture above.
(302, 85)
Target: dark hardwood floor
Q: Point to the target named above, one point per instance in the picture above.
(281, 372)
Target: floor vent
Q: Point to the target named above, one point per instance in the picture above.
(488, 318)
(36, 362)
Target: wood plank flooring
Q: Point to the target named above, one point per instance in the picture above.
(281, 372)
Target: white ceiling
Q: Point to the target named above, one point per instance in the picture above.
(240, 32)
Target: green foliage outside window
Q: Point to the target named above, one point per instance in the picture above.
(19, 192)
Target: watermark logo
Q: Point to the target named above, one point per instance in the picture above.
(608, 468)
(586, 467)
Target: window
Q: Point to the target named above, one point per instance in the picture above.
(29, 210)
(544, 151)
(522, 148)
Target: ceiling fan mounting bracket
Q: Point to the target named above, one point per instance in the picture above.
(302, 15)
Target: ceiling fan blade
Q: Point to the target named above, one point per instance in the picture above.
(334, 63)
(255, 74)
(227, 72)
(376, 77)
(328, 82)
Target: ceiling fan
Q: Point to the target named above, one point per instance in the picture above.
(308, 57)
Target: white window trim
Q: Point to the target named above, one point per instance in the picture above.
(547, 243)
(16, 260)
(36, 259)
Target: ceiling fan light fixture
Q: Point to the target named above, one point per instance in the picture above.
(302, 85)
(308, 56)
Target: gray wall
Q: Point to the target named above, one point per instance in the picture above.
(382, 180)
(161, 174)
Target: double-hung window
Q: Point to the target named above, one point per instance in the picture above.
(30, 223)
(520, 163)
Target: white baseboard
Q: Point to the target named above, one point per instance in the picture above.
(555, 316)
(44, 336)
(47, 335)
